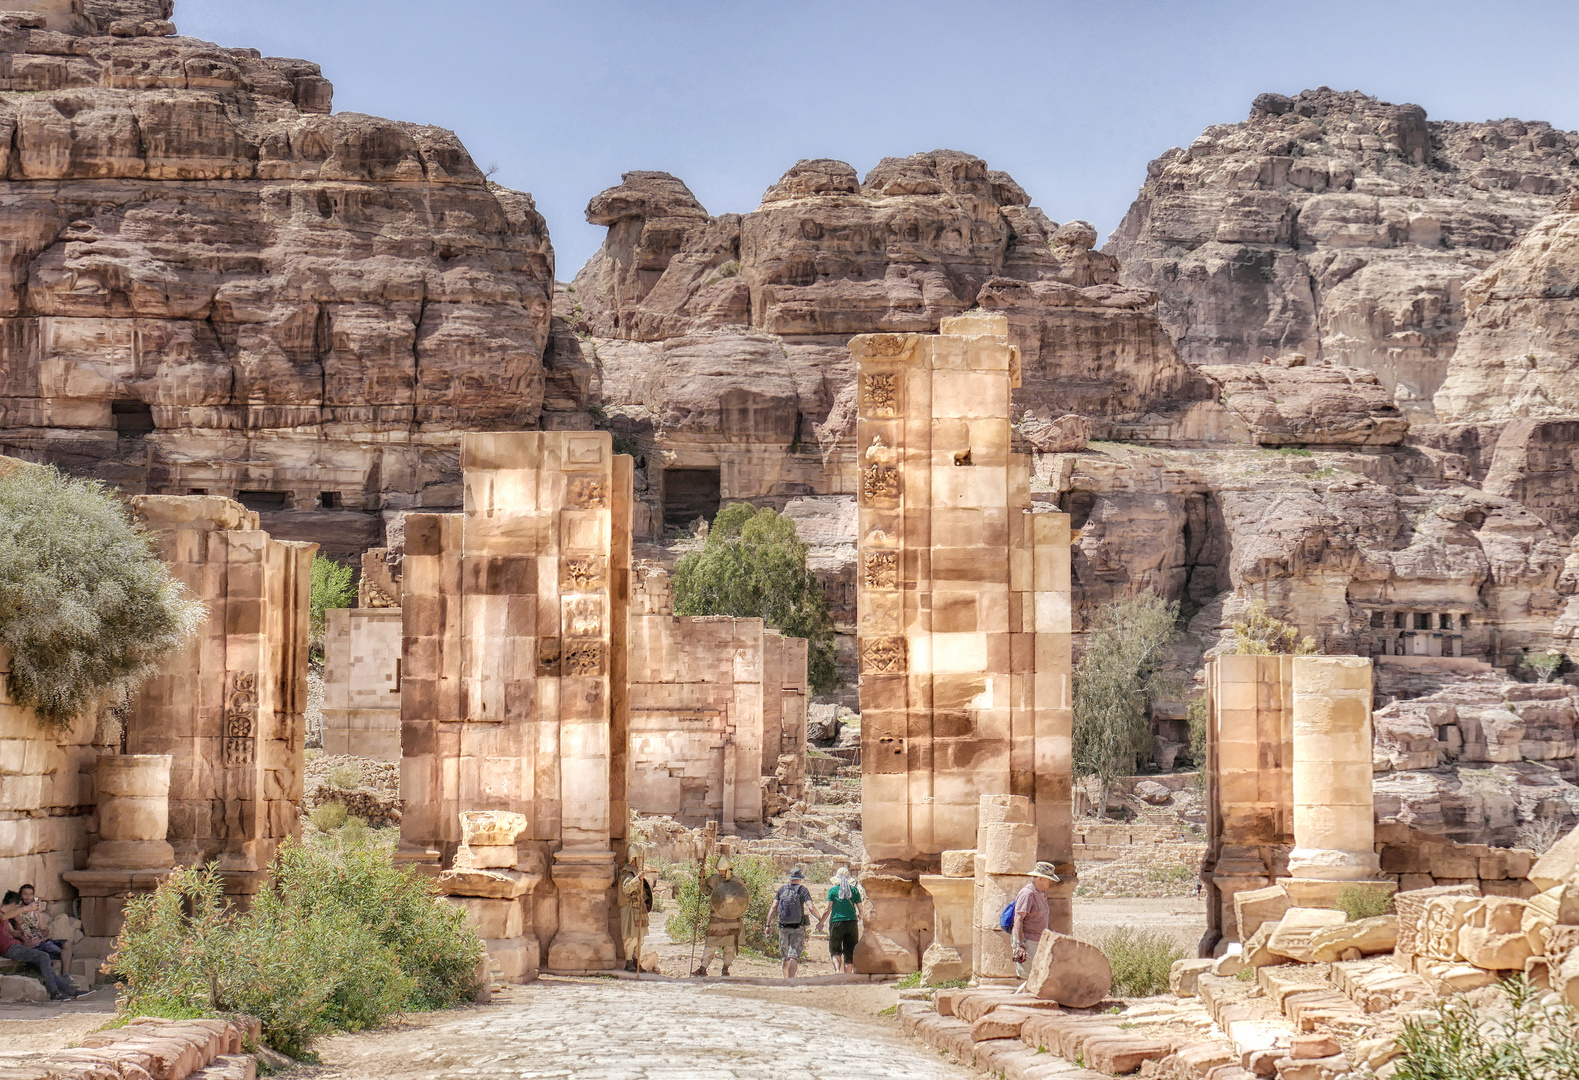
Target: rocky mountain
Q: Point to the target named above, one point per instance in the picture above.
(210, 282)
(1337, 226)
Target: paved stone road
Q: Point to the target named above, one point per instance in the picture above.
(630, 1031)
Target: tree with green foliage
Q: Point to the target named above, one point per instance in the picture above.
(87, 609)
(332, 587)
(753, 565)
(1260, 634)
(1121, 667)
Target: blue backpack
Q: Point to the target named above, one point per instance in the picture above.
(1006, 920)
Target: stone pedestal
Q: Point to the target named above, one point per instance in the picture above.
(899, 929)
(498, 898)
(584, 879)
(949, 956)
(1334, 809)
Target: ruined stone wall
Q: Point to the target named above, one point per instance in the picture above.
(46, 799)
(361, 682)
(513, 692)
(228, 706)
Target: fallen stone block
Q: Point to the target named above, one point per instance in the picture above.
(1378, 934)
(944, 1000)
(1252, 907)
(1117, 1055)
(1327, 1068)
(1312, 1046)
(22, 988)
(1298, 927)
(1184, 974)
(1069, 971)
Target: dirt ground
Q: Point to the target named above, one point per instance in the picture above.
(41, 1028)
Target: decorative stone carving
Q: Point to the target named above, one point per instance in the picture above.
(584, 573)
(881, 569)
(241, 717)
(583, 616)
(880, 394)
(586, 493)
(583, 658)
(880, 484)
(883, 656)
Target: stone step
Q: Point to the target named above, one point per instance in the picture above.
(229, 1067)
(1379, 984)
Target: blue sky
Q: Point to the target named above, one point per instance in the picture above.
(1071, 98)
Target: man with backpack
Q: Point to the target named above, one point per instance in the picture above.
(1031, 914)
(792, 911)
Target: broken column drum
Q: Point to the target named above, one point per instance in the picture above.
(1334, 809)
(134, 813)
(513, 682)
(963, 614)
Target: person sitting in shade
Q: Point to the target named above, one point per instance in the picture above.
(60, 989)
(1031, 914)
(31, 928)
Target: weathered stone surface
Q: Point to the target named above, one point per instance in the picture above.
(245, 293)
(1558, 864)
(1493, 937)
(1069, 971)
(1295, 934)
(1300, 405)
(1338, 226)
(1378, 934)
(1184, 975)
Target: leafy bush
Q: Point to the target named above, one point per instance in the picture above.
(1461, 1040)
(346, 776)
(1365, 902)
(754, 566)
(689, 918)
(328, 817)
(1121, 665)
(1543, 667)
(1262, 635)
(87, 610)
(332, 587)
(1140, 959)
(340, 940)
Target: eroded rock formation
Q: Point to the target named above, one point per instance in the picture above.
(1338, 226)
(211, 283)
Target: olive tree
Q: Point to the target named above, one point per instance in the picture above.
(1121, 667)
(753, 565)
(87, 610)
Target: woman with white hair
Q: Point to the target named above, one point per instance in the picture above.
(844, 920)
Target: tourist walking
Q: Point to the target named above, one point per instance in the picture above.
(791, 911)
(1031, 914)
(844, 921)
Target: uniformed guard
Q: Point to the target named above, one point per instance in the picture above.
(728, 899)
(635, 902)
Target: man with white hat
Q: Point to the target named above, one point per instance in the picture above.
(1031, 914)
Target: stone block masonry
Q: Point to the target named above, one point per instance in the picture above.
(963, 612)
(361, 691)
(228, 707)
(513, 687)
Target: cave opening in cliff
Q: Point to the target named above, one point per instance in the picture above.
(132, 418)
(263, 502)
(689, 494)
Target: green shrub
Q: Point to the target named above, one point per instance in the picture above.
(1364, 902)
(87, 610)
(328, 817)
(1465, 1041)
(754, 566)
(1140, 959)
(333, 586)
(340, 940)
(689, 918)
(347, 776)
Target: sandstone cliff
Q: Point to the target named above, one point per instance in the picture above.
(211, 283)
(1338, 226)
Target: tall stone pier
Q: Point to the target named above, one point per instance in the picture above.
(963, 620)
(513, 684)
(1334, 808)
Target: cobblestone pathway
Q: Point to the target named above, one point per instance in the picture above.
(629, 1031)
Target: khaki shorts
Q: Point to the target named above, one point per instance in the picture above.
(792, 942)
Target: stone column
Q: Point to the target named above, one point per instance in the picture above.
(132, 855)
(134, 813)
(1334, 810)
(1005, 855)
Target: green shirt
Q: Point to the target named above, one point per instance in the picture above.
(843, 910)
